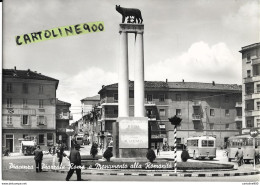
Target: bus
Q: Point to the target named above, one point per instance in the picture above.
(201, 147)
(79, 138)
(245, 142)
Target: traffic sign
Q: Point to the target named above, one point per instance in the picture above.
(253, 132)
(70, 131)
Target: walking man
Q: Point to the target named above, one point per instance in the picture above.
(75, 163)
(38, 158)
(239, 156)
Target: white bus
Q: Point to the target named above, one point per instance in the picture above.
(245, 142)
(202, 147)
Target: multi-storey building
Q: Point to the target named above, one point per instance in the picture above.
(88, 123)
(205, 109)
(28, 108)
(251, 86)
(63, 117)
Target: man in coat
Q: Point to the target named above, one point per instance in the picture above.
(239, 156)
(38, 158)
(75, 163)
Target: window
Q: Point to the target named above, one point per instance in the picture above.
(258, 88)
(239, 125)
(196, 126)
(40, 103)
(248, 72)
(41, 138)
(41, 120)
(24, 103)
(116, 111)
(211, 126)
(9, 120)
(192, 143)
(249, 124)
(239, 112)
(258, 105)
(9, 102)
(227, 126)
(227, 112)
(25, 88)
(161, 98)
(248, 57)
(226, 99)
(149, 97)
(178, 112)
(204, 143)
(212, 112)
(162, 112)
(9, 88)
(149, 112)
(115, 97)
(178, 97)
(40, 89)
(25, 120)
(258, 122)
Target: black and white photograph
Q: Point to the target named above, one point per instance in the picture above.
(119, 91)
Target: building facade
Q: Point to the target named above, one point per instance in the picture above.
(205, 108)
(89, 124)
(63, 117)
(251, 86)
(29, 108)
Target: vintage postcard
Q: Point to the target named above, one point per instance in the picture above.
(163, 91)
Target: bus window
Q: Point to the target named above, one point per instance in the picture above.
(192, 143)
(204, 143)
(210, 143)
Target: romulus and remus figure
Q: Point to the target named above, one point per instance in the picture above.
(132, 14)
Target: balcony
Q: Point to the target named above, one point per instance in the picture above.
(151, 117)
(238, 118)
(196, 117)
(248, 80)
(248, 96)
(109, 104)
(196, 104)
(256, 61)
(253, 113)
(149, 103)
(238, 104)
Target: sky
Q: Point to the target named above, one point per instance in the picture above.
(194, 40)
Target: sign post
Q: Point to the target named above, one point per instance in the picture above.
(253, 134)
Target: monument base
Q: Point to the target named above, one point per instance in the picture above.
(130, 137)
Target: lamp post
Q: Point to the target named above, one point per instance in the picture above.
(176, 121)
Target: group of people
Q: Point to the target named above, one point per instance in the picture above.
(240, 156)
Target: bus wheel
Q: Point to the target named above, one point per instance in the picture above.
(211, 158)
(202, 158)
(229, 159)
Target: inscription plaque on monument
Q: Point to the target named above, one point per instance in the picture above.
(133, 133)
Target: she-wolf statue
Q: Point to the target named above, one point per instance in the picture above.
(130, 12)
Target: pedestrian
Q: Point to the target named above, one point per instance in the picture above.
(75, 163)
(256, 155)
(158, 150)
(239, 155)
(61, 154)
(38, 155)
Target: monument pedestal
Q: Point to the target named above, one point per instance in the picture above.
(130, 137)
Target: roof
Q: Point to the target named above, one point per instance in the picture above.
(147, 84)
(26, 74)
(59, 102)
(181, 85)
(251, 46)
(205, 86)
(96, 97)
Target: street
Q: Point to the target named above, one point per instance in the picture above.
(11, 173)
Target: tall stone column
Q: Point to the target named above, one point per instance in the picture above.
(123, 84)
(139, 110)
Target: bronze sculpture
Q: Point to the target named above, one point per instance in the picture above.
(132, 14)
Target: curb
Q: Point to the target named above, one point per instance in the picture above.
(168, 174)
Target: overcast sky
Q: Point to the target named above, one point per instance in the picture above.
(194, 40)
